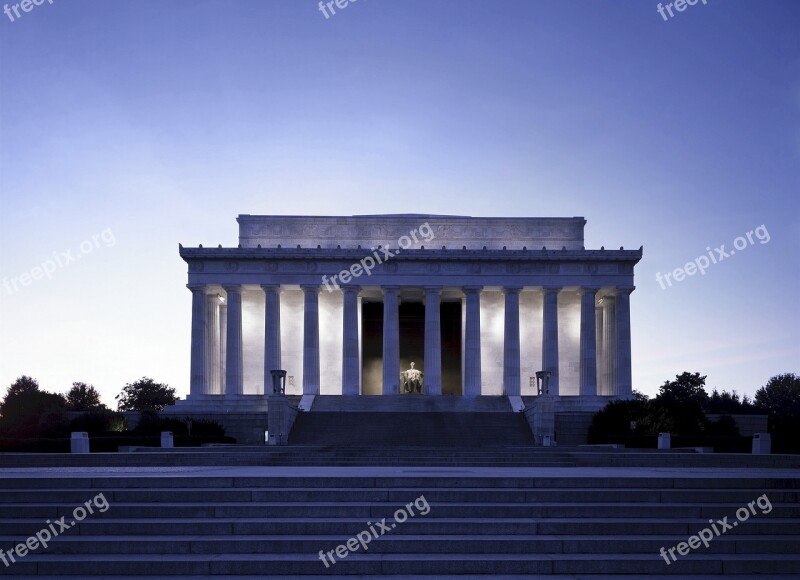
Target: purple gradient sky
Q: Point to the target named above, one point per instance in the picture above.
(162, 121)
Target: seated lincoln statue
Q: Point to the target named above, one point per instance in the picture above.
(411, 381)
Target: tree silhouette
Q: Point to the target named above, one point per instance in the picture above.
(27, 411)
(145, 395)
(83, 397)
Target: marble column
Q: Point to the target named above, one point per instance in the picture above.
(609, 345)
(472, 342)
(432, 377)
(588, 348)
(351, 353)
(197, 372)
(550, 337)
(511, 349)
(213, 347)
(223, 344)
(623, 324)
(311, 340)
(272, 333)
(600, 347)
(391, 341)
(234, 383)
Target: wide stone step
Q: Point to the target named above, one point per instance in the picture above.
(587, 510)
(427, 577)
(418, 544)
(390, 564)
(320, 455)
(422, 478)
(395, 497)
(424, 577)
(420, 525)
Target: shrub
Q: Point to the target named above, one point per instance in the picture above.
(152, 424)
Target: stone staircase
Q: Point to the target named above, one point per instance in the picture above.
(411, 421)
(410, 404)
(410, 429)
(376, 456)
(273, 522)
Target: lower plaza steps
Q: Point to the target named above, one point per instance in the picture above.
(272, 522)
(504, 510)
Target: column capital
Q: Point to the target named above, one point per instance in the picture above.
(551, 289)
(197, 288)
(267, 288)
(310, 288)
(588, 290)
(432, 289)
(232, 288)
(512, 289)
(390, 289)
(624, 290)
(472, 289)
(350, 289)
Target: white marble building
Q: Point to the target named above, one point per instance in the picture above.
(523, 294)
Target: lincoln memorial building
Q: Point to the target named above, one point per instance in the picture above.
(345, 305)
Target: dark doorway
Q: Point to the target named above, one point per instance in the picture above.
(412, 336)
(371, 348)
(412, 344)
(451, 348)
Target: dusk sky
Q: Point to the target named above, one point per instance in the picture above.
(127, 127)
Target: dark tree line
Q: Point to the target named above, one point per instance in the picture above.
(28, 411)
(682, 405)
